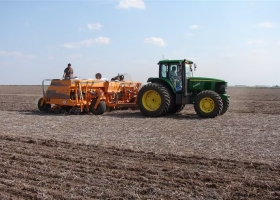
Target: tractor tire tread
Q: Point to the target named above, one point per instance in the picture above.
(165, 100)
(225, 106)
(218, 104)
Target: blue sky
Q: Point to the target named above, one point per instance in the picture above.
(238, 41)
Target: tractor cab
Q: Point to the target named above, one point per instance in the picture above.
(177, 72)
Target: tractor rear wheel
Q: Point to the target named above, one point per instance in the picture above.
(153, 100)
(208, 104)
(101, 108)
(225, 106)
(172, 105)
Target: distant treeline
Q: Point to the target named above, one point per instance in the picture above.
(257, 86)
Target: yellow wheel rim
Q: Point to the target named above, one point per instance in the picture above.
(207, 105)
(151, 100)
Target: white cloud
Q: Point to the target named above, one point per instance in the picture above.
(88, 42)
(16, 54)
(96, 26)
(99, 40)
(255, 42)
(193, 27)
(266, 25)
(70, 46)
(131, 3)
(102, 40)
(85, 42)
(154, 40)
(278, 42)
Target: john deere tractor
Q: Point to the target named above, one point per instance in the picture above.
(175, 87)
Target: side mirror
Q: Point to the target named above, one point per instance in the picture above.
(194, 66)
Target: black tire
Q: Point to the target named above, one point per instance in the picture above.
(225, 106)
(172, 104)
(153, 100)
(49, 110)
(63, 111)
(208, 104)
(86, 110)
(101, 108)
(177, 109)
(75, 110)
(44, 107)
(41, 107)
(67, 108)
(56, 110)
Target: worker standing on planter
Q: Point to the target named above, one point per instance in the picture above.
(68, 72)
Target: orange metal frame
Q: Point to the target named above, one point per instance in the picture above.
(80, 92)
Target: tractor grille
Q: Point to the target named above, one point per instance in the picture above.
(221, 88)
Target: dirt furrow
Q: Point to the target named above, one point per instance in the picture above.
(144, 173)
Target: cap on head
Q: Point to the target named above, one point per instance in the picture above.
(69, 64)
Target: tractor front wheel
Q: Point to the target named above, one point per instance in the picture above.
(153, 100)
(208, 104)
(101, 108)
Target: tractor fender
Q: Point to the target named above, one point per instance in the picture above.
(163, 81)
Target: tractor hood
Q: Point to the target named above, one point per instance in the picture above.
(204, 79)
(204, 83)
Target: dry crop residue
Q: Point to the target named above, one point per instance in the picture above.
(123, 155)
(42, 169)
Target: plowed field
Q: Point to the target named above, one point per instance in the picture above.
(123, 155)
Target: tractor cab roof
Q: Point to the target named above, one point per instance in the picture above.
(175, 61)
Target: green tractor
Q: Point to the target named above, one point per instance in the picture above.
(175, 87)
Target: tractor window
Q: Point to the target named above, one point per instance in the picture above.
(188, 70)
(174, 76)
(173, 71)
(163, 71)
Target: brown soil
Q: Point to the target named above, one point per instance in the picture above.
(123, 155)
